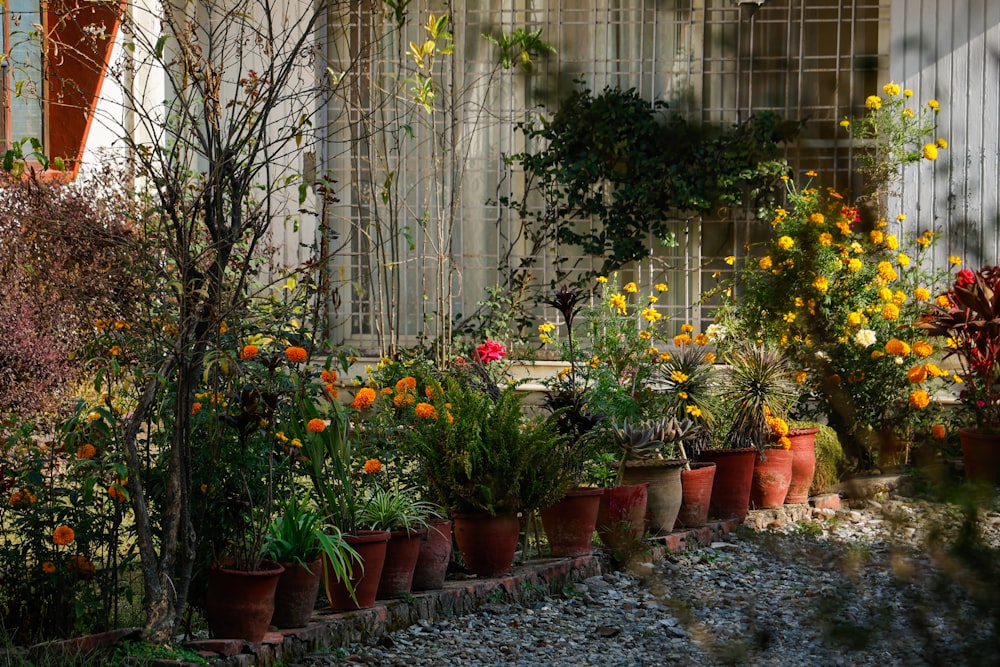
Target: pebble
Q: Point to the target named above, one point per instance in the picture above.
(859, 587)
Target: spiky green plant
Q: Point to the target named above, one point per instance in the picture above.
(760, 382)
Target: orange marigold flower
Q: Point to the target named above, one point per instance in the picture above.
(249, 352)
(295, 354)
(922, 348)
(406, 384)
(890, 311)
(63, 535)
(316, 425)
(897, 348)
(386, 391)
(403, 400)
(425, 411)
(682, 339)
(372, 466)
(920, 399)
(86, 451)
(328, 376)
(330, 389)
(195, 408)
(938, 432)
(785, 442)
(48, 567)
(81, 565)
(116, 494)
(364, 398)
(917, 374)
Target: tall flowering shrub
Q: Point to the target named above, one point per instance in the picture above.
(841, 288)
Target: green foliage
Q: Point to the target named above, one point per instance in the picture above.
(480, 453)
(617, 162)
(394, 509)
(759, 380)
(141, 653)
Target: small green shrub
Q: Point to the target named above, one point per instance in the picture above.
(830, 459)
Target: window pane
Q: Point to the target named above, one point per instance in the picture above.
(24, 73)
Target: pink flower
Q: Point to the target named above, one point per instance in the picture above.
(965, 277)
(491, 350)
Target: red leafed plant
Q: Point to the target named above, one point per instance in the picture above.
(968, 315)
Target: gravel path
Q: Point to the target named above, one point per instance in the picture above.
(857, 587)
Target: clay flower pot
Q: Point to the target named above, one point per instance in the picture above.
(241, 603)
(981, 455)
(295, 596)
(733, 478)
(803, 463)
(621, 518)
(433, 557)
(663, 493)
(365, 576)
(772, 473)
(488, 543)
(696, 495)
(570, 522)
(401, 555)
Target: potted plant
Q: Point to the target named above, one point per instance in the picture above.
(405, 517)
(298, 537)
(760, 383)
(487, 462)
(968, 316)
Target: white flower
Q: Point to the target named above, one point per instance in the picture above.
(822, 356)
(865, 338)
(716, 332)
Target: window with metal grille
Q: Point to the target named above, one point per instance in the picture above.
(420, 234)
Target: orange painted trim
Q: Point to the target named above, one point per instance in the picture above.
(76, 64)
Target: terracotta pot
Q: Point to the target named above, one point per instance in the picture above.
(733, 477)
(621, 518)
(570, 522)
(981, 454)
(487, 543)
(803, 463)
(434, 557)
(663, 495)
(365, 576)
(400, 560)
(772, 473)
(696, 495)
(295, 596)
(240, 603)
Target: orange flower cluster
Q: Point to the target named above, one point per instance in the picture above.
(296, 355)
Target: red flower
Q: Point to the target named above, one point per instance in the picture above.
(965, 277)
(491, 350)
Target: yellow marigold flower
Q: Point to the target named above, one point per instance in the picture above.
(223, 328)
(942, 143)
(873, 102)
(885, 294)
(903, 259)
(917, 374)
(86, 451)
(930, 152)
(687, 327)
(653, 298)
(425, 411)
(907, 93)
(890, 311)
(789, 317)
(115, 350)
(876, 236)
(48, 567)
(921, 294)
(547, 327)
(891, 242)
(765, 263)
(296, 443)
(408, 383)
(897, 348)
(854, 264)
(954, 260)
(316, 425)
(631, 288)
(845, 123)
(602, 280)
(545, 338)
(801, 377)
(595, 361)
(280, 436)
(645, 334)
(919, 399)
(296, 354)
(665, 356)
(854, 318)
(923, 241)
(661, 287)
(682, 339)
(934, 104)
(908, 112)
(364, 398)
(812, 173)
(730, 260)
(786, 242)
(679, 377)
(683, 394)
(877, 354)
(372, 466)
(922, 348)
(785, 177)
(63, 535)
(701, 339)
(650, 314)
(899, 297)
(938, 432)
(957, 379)
(943, 301)
(693, 410)
(709, 357)
(817, 218)
(821, 284)
(825, 239)
(619, 303)
(653, 351)
(886, 272)
(891, 89)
